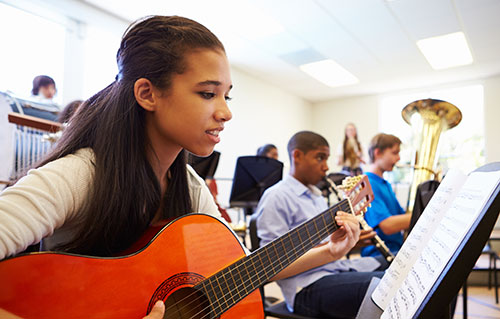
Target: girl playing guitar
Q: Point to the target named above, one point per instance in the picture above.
(120, 166)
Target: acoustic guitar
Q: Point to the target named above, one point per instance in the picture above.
(196, 264)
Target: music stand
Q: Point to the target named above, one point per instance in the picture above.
(437, 303)
(325, 187)
(461, 263)
(252, 176)
(204, 166)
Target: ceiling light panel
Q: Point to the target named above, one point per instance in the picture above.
(446, 51)
(329, 73)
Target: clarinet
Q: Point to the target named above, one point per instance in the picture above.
(376, 241)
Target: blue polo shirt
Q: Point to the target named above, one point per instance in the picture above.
(384, 205)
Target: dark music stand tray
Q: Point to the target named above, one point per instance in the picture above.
(252, 176)
(204, 166)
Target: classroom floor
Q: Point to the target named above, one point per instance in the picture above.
(480, 304)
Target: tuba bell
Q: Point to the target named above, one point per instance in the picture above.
(429, 118)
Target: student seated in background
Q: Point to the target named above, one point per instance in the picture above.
(69, 110)
(44, 88)
(268, 150)
(385, 215)
(120, 166)
(318, 283)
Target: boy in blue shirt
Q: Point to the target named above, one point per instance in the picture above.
(386, 215)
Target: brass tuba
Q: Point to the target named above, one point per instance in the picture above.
(435, 116)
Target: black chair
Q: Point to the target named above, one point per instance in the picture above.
(492, 267)
(424, 194)
(272, 306)
(326, 189)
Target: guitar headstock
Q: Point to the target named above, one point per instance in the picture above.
(359, 192)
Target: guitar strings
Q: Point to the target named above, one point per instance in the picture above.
(258, 274)
(251, 277)
(320, 235)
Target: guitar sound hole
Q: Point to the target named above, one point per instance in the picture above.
(187, 303)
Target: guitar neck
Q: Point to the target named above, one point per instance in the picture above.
(233, 283)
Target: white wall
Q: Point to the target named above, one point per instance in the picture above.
(492, 118)
(330, 118)
(262, 114)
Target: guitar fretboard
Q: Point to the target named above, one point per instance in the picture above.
(233, 283)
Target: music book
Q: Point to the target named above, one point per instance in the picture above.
(434, 241)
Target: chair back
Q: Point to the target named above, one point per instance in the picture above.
(424, 194)
(252, 229)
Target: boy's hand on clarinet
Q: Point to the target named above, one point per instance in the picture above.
(365, 238)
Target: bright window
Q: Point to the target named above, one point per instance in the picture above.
(31, 46)
(100, 70)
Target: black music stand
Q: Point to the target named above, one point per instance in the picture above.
(463, 260)
(252, 176)
(327, 190)
(204, 166)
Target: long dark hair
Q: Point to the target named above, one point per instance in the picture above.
(346, 140)
(125, 193)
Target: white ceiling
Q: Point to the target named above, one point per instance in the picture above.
(373, 39)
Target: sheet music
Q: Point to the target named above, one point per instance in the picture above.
(446, 238)
(416, 241)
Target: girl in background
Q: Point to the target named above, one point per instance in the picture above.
(350, 153)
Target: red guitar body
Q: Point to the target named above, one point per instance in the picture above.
(55, 285)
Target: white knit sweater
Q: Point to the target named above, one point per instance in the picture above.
(45, 202)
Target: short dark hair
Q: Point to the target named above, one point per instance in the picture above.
(305, 141)
(382, 141)
(41, 81)
(263, 150)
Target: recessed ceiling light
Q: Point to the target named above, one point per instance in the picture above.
(329, 72)
(446, 51)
